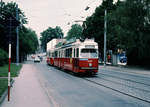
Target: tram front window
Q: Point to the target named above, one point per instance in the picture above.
(89, 53)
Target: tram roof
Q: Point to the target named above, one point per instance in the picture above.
(75, 42)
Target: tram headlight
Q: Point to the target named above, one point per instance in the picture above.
(90, 64)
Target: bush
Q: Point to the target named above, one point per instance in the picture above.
(3, 57)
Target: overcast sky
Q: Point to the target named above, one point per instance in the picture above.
(42, 14)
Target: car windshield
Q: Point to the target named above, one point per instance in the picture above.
(89, 53)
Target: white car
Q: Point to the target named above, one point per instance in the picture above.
(36, 59)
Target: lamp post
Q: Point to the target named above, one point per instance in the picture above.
(17, 34)
(105, 33)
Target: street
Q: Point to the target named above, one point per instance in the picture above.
(75, 53)
(109, 88)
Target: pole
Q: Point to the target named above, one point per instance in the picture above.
(10, 22)
(105, 32)
(17, 43)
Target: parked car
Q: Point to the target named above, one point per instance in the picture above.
(36, 59)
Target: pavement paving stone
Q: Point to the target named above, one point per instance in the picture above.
(27, 91)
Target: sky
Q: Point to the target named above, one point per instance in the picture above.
(42, 14)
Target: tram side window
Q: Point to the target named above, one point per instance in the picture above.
(68, 53)
(49, 54)
(59, 54)
(74, 53)
(62, 53)
(56, 54)
(53, 54)
(77, 52)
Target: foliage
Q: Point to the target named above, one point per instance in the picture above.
(75, 31)
(3, 57)
(49, 34)
(28, 41)
(132, 29)
(93, 27)
(7, 10)
(128, 25)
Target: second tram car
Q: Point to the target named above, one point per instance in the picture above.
(76, 56)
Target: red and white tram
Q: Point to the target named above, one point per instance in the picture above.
(76, 56)
(50, 57)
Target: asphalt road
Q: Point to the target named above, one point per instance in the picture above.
(66, 90)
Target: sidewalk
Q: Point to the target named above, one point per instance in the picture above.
(122, 68)
(26, 90)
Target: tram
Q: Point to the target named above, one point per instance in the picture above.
(75, 56)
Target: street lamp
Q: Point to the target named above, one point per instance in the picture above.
(105, 33)
(17, 34)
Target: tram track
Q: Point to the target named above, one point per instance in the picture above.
(125, 82)
(95, 80)
(124, 79)
(116, 90)
(125, 85)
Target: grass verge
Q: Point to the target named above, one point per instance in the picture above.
(3, 85)
(4, 74)
(14, 70)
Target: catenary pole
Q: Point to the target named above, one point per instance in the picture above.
(9, 75)
(17, 34)
(105, 32)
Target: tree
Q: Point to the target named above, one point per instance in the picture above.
(75, 31)
(93, 27)
(28, 42)
(8, 9)
(131, 26)
(49, 34)
(128, 28)
(137, 19)
(28, 39)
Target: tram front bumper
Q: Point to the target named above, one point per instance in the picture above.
(91, 70)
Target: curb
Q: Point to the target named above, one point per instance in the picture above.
(127, 69)
(5, 93)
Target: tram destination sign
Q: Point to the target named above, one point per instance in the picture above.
(89, 46)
